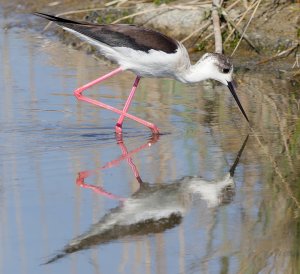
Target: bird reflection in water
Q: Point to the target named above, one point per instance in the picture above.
(153, 208)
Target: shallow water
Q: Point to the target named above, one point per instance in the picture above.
(78, 198)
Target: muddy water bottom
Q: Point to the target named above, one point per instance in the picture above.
(78, 198)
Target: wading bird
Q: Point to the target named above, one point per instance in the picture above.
(147, 53)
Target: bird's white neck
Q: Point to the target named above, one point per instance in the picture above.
(194, 73)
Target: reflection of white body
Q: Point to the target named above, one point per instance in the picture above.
(161, 202)
(154, 208)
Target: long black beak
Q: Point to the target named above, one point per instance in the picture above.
(231, 88)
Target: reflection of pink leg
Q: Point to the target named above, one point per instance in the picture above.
(129, 161)
(78, 93)
(125, 155)
(97, 189)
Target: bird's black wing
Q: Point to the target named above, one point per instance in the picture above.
(119, 35)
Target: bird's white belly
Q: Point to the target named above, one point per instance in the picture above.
(152, 64)
(152, 70)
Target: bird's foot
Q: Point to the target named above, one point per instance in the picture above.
(118, 129)
(154, 129)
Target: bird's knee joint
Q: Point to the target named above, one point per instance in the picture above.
(77, 94)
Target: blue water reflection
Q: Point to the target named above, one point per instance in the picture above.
(47, 138)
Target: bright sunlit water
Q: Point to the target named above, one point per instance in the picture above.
(144, 213)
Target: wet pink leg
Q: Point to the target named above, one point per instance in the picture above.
(78, 93)
(127, 104)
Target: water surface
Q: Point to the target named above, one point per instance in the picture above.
(77, 197)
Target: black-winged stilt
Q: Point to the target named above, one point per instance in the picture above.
(147, 53)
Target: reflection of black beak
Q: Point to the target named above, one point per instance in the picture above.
(231, 88)
(232, 169)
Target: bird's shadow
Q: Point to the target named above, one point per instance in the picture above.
(153, 208)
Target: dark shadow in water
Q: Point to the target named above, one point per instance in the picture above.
(152, 208)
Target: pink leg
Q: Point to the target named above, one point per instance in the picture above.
(78, 93)
(127, 104)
